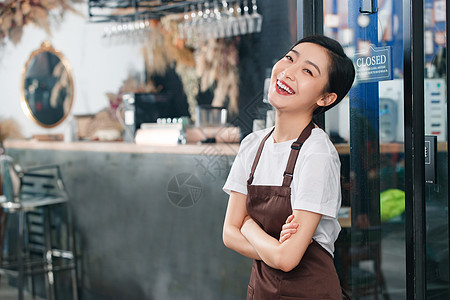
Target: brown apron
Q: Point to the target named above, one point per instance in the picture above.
(315, 276)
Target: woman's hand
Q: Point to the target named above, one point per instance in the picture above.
(288, 229)
(287, 255)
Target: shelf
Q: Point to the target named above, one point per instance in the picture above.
(129, 10)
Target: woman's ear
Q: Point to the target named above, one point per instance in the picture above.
(327, 99)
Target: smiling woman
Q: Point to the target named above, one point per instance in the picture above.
(284, 185)
(299, 76)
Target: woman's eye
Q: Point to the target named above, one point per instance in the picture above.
(289, 57)
(309, 72)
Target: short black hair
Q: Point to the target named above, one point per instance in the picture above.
(341, 71)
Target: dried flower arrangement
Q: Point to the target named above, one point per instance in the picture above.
(189, 78)
(204, 63)
(15, 14)
(164, 48)
(217, 63)
(9, 128)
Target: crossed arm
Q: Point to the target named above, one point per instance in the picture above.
(244, 235)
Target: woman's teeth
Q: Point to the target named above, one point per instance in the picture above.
(285, 88)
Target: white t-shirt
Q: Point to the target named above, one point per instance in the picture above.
(315, 187)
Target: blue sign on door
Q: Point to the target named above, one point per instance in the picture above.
(373, 65)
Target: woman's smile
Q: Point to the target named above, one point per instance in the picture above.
(283, 88)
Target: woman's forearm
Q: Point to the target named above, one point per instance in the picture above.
(283, 256)
(266, 247)
(233, 239)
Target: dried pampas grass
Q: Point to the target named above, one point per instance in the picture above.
(190, 86)
(9, 128)
(200, 65)
(217, 63)
(175, 46)
(15, 14)
(164, 47)
(155, 55)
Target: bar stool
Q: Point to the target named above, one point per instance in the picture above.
(41, 228)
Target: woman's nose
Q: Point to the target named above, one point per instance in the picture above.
(288, 73)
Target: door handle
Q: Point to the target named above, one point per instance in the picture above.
(430, 158)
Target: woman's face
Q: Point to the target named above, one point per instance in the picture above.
(298, 79)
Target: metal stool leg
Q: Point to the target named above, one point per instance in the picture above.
(20, 241)
(3, 222)
(50, 279)
(72, 248)
(29, 272)
(38, 237)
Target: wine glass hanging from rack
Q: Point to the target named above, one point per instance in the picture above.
(129, 21)
(219, 19)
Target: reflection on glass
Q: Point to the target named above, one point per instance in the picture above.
(370, 253)
(47, 87)
(436, 195)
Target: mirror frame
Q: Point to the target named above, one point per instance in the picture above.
(46, 47)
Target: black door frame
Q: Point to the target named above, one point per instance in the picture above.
(413, 63)
(447, 45)
(311, 14)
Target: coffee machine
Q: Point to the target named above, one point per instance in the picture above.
(139, 108)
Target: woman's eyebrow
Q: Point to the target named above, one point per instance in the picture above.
(314, 65)
(307, 61)
(295, 51)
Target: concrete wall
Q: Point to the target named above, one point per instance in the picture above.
(135, 241)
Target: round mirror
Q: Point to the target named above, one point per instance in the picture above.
(47, 86)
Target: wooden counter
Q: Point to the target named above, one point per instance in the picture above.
(121, 147)
(204, 149)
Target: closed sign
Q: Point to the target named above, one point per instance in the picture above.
(373, 65)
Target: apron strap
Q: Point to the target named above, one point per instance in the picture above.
(295, 149)
(258, 155)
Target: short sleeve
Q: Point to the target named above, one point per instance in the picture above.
(237, 179)
(317, 185)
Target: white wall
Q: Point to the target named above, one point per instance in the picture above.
(97, 67)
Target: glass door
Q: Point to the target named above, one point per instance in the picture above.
(370, 252)
(394, 240)
(436, 158)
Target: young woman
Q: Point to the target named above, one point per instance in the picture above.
(284, 185)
